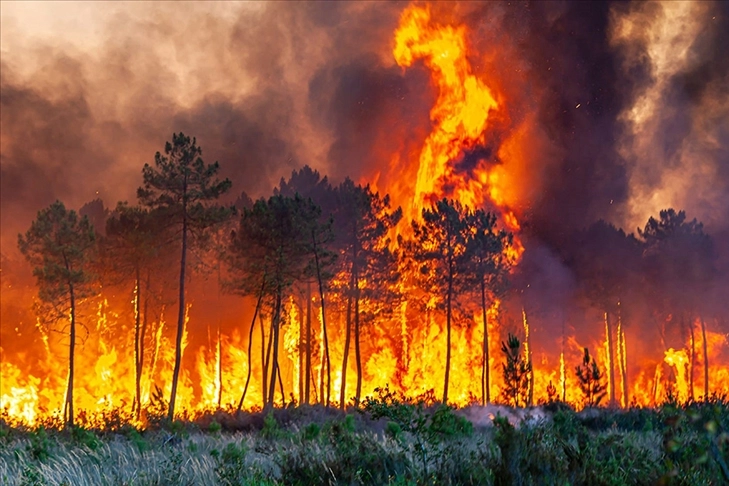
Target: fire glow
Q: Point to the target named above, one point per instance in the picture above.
(411, 359)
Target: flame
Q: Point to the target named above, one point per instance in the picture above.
(406, 351)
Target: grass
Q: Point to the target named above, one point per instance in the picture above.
(391, 440)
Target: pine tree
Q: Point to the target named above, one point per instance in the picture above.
(60, 247)
(590, 380)
(437, 248)
(516, 372)
(487, 267)
(183, 187)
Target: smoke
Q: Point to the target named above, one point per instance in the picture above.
(675, 136)
(81, 114)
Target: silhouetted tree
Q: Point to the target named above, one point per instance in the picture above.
(437, 248)
(60, 247)
(362, 222)
(516, 371)
(680, 262)
(308, 184)
(590, 380)
(487, 266)
(182, 186)
(606, 262)
(131, 251)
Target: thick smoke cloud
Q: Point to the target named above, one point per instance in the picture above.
(267, 88)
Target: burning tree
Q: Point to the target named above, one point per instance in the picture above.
(132, 255)
(275, 246)
(60, 246)
(437, 247)
(182, 187)
(517, 371)
(680, 260)
(363, 220)
(606, 259)
(308, 184)
(487, 266)
(591, 381)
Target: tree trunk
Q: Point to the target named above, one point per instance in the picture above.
(448, 339)
(706, 359)
(69, 416)
(219, 349)
(323, 320)
(181, 310)
(345, 355)
(528, 358)
(692, 358)
(250, 344)
(307, 372)
(265, 352)
(274, 363)
(622, 359)
(302, 350)
(143, 333)
(611, 368)
(357, 352)
(136, 406)
(281, 386)
(485, 371)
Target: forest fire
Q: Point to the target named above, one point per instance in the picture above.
(388, 303)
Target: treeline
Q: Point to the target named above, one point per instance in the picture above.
(332, 246)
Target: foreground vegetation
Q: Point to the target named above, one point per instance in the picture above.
(390, 440)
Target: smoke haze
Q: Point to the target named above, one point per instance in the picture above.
(624, 106)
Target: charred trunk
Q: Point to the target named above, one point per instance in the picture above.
(307, 366)
(485, 371)
(250, 344)
(68, 408)
(181, 310)
(345, 355)
(706, 359)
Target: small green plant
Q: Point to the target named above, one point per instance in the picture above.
(230, 465)
(428, 429)
(271, 429)
(84, 437)
(516, 371)
(214, 427)
(590, 380)
(40, 445)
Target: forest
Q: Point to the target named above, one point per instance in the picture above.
(342, 252)
(342, 295)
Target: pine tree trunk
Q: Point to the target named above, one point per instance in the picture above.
(528, 359)
(181, 310)
(265, 357)
(281, 386)
(323, 322)
(357, 350)
(611, 367)
(69, 415)
(219, 353)
(706, 359)
(307, 373)
(274, 362)
(136, 407)
(345, 355)
(145, 321)
(448, 339)
(692, 358)
(302, 350)
(250, 344)
(485, 371)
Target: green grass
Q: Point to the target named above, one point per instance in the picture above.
(392, 440)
